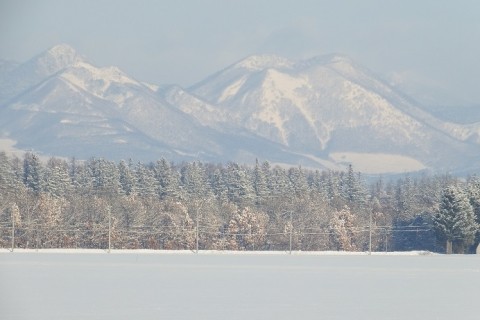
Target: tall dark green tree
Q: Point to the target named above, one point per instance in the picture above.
(259, 183)
(7, 176)
(126, 177)
(239, 185)
(455, 221)
(32, 172)
(56, 179)
(145, 182)
(298, 181)
(105, 177)
(168, 179)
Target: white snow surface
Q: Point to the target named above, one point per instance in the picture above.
(378, 162)
(263, 61)
(232, 89)
(98, 81)
(93, 284)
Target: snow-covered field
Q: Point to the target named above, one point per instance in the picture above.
(171, 285)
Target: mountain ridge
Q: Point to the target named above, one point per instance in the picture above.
(322, 112)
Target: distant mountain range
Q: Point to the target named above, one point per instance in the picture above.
(325, 112)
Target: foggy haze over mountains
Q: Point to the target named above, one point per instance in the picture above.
(324, 112)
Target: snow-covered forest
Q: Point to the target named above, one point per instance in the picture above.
(163, 205)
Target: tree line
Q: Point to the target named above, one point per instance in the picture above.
(99, 203)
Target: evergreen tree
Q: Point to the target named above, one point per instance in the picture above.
(298, 181)
(145, 182)
(280, 183)
(259, 183)
(126, 177)
(474, 195)
(194, 180)
(8, 180)
(267, 173)
(219, 186)
(353, 190)
(168, 179)
(56, 178)
(317, 184)
(240, 189)
(334, 189)
(32, 172)
(455, 221)
(105, 177)
(405, 199)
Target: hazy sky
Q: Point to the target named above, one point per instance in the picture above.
(434, 42)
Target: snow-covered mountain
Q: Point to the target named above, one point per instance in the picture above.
(61, 104)
(331, 108)
(322, 112)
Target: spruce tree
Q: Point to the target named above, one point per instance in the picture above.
(259, 183)
(32, 172)
(455, 222)
(126, 177)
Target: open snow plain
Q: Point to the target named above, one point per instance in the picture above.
(158, 285)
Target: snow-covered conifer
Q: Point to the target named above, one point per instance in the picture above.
(455, 222)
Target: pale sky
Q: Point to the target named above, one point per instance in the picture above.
(433, 42)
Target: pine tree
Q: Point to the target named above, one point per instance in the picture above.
(168, 180)
(353, 190)
(105, 177)
(405, 199)
(474, 195)
(56, 179)
(194, 180)
(9, 184)
(126, 177)
(280, 183)
(145, 182)
(32, 172)
(298, 181)
(455, 221)
(259, 183)
(240, 189)
(219, 186)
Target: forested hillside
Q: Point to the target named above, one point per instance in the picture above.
(163, 205)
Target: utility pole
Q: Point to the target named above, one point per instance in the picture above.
(291, 230)
(13, 229)
(109, 229)
(370, 235)
(196, 233)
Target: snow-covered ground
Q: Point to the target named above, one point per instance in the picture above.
(86, 284)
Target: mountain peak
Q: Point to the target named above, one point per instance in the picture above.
(56, 58)
(263, 61)
(62, 50)
(327, 59)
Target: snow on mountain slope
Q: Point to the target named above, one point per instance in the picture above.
(204, 112)
(324, 112)
(328, 105)
(262, 62)
(276, 103)
(71, 107)
(36, 70)
(99, 81)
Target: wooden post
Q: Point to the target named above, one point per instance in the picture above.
(449, 247)
(13, 229)
(109, 229)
